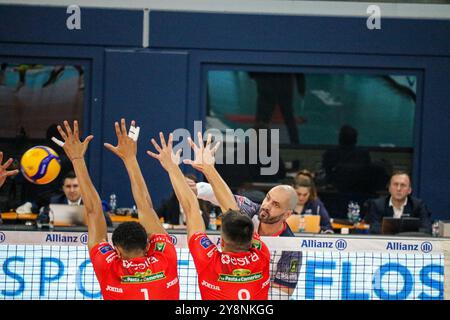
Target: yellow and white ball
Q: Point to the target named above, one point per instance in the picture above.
(40, 165)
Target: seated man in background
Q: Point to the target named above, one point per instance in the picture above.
(398, 204)
(71, 196)
(173, 213)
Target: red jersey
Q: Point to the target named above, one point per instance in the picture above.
(231, 275)
(154, 277)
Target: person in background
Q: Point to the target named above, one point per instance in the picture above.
(305, 174)
(172, 212)
(71, 196)
(307, 177)
(277, 89)
(398, 204)
(347, 167)
(309, 204)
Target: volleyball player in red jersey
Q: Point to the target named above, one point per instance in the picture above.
(142, 265)
(241, 270)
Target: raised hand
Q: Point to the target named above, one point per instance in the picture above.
(6, 173)
(74, 148)
(165, 155)
(126, 147)
(203, 155)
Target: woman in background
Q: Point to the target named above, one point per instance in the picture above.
(308, 201)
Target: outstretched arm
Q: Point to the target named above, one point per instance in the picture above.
(204, 162)
(75, 150)
(5, 173)
(185, 195)
(126, 150)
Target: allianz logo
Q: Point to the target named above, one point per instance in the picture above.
(400, 246)
(56, 237)
(339, 244)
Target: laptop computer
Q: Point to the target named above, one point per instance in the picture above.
(64, 215)
(392, 225)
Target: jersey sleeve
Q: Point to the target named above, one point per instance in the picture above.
(162, 248)
(202, 250)
(102, 255)
(288, 269)
(246, 206)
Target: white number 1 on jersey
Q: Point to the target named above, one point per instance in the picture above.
(146, 296)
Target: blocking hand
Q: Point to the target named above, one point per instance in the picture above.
(6, 173)
(74, 148)
(203, 155)
(126, 146)
(165, 156)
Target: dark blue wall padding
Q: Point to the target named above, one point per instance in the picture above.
(298, 33)
(47, 25)
(150, 88)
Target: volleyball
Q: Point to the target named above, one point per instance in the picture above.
(40, 165)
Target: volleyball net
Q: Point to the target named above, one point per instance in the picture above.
(56, 265)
